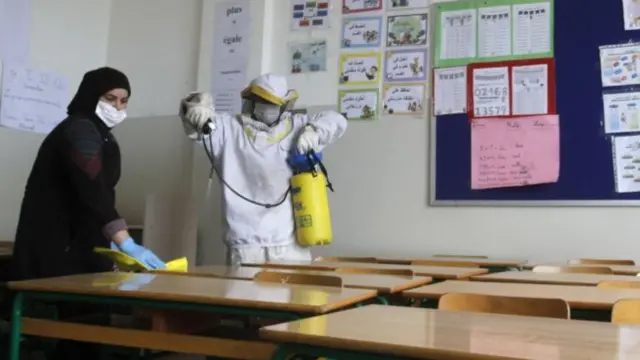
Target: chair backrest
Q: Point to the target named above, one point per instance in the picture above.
(461, 256)
(622, 262)
(626, 311)
(572, 269)
(363, 270)
(444, 263)
(552, 308)
(347, 259)
(619, 284)
(298, 279)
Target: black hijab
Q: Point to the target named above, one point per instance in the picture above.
(94, 84)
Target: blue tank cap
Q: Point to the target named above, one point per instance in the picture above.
(300, 162)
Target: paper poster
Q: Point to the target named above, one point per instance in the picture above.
(403, 99)
(494, 31)
(407, 30)
(358, 104)
(490, 90)
(621, 112)
(626, 158)
(512, 152)
(310, 14)
(32, 100)
(450, 91)
(456, 43)
(530, 90)
(15, 30)
(233, 14)
(532, 28)
(361, 32)
(631, 14)
(228, 102)
(356, 6)
(228, 75)
(359, 68)
(406, 4)
(406, 65)
(308, 56)
(232, 33)
(620, 64)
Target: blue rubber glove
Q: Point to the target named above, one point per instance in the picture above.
(142, 254)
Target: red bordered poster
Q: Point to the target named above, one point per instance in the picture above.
(359, 6)
(511, 88)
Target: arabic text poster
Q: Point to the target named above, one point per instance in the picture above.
(450, 91)
(530, 89)
(491, 94)
(620, 65)
(403, 99)
(407, 30)
(361, 32)
(494, 31)
(406, 4)
(512, 152)
(532, 29)
(621, 112)
(359, 68)
(357, 6)
(359, 104)
(310, 14)
(308, 56)
(406, 65)
(626, 159)
(456, 40)
(631, 14)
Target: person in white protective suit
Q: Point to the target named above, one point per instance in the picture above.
(249, 152)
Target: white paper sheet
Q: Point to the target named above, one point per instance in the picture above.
(621, 112)
(491, 92)
(626, 158)
(229, 102)
(450, 91)
(308, 56)
(530, 89)
(232, 31)
(620, 64)
(32, 100)
(228, 75)
(494, 31)
(15, 25)
(458, 34)
(532, 28)
(631, 14)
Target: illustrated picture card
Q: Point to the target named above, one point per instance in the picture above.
(359, 68)
(620, 64)
(406, 4)
(407, 30)
(631, 14)
(359, 104)
(403, 99)
(621, 112)
(361, 32)
(626, 159)
(406, 65)
(308, 56)
(357, 6)
(310, 14)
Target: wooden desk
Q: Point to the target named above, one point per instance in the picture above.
(528, 277)
(436, 272)
(617, 269)
(578, 297)
(183, 293)
(486, 263)
(382, 283)
(5, 253)
(401, 332)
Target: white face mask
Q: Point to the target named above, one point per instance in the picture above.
(266, 113)
(109, 114)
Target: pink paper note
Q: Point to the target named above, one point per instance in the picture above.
(519, 151)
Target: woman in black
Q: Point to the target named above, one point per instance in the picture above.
(69, 201)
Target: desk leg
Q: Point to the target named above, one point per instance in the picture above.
(16, 327)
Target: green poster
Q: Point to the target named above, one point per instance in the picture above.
(455, 33)
(359, 104)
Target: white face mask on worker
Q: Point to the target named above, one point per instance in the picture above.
(267, 113)
(109, 114)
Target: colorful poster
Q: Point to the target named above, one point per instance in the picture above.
(310, 14)
(359, 68)
(620, 64)
(406, 65)
(356, 6)
(361, 32)
(450, 91)
(407, 30)
(621, 112)
(631, 14)
(518, 151)
(490, 89)
(308, 56)
(403, 99)
(359, 104)
(406, 4)
(626, 158)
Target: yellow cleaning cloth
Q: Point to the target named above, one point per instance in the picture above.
(125, 262)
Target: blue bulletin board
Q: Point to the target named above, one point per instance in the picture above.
(586, 165)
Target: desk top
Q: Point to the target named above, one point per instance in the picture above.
(212, 291)
(578, 297)
(529, 277)
(382, 283)
(5, 253)
(436, 272)
(426, 333)
(617, 269)
(471, 261)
